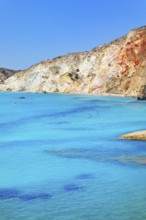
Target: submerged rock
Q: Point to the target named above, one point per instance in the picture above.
(16, 194)
(22, 97)
(85, 176)
(139, 159)
(29, 197)
(117, 68)
(9, 193)
(126, 158)
(72, 187)
(139, 135)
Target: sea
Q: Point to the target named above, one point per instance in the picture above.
(61, 157)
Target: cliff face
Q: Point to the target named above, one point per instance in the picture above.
(6, 73)
(117, 68)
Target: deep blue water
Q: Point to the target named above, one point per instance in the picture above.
(61, 159)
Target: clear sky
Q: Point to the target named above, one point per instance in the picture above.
(35, 30)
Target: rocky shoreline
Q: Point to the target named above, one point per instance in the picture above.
(114, 69)
(117, 68)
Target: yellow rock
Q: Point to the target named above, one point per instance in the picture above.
(139, 135)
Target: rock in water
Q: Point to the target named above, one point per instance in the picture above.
(116, 68)
(139, 135)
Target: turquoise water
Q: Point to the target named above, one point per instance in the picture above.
(60, 158)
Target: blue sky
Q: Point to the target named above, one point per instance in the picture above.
(35, 30)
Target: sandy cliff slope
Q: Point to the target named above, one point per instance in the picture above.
(117, 68)
(6, 73)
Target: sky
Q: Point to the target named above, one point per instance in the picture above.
(36, 30)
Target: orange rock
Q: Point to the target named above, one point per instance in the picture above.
(116, 68)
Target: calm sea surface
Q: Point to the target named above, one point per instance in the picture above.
(60, 158)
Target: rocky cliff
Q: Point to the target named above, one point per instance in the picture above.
(116, 68)
(6, 73)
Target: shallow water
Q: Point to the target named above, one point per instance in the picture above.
(60, 158)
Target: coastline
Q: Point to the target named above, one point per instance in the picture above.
(86, 94)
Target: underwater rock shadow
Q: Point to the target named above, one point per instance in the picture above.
(96, 156)
(132, 159)
(9, 193)
(30, 197)
(72, 187)
(85, 176)
(6, 194)
(6, 126)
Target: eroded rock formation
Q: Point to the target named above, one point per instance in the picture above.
(116, 68)
(6, 73)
